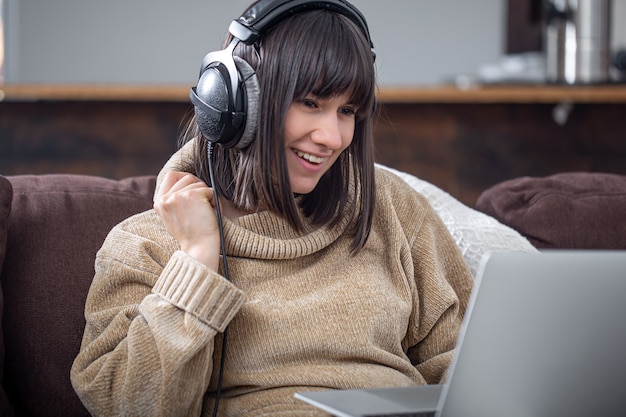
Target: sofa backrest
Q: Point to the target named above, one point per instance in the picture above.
(56, 226)
(6, 197)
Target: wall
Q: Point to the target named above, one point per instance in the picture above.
(160, 41)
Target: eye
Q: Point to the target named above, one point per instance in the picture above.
(348, 111)
(309, 102)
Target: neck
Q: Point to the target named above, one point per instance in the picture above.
(231, 211)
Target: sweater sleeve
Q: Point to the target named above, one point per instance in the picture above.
(444, 284)
(152, 315)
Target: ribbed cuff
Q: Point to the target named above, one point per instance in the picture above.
(191, 286)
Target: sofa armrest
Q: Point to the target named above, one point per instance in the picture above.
(575, 210)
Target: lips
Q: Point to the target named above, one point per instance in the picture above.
(310, 158)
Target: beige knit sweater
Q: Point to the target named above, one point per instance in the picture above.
(302, 313)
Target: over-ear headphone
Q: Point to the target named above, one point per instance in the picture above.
(226, 96)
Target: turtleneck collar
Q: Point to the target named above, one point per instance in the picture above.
(262, 235)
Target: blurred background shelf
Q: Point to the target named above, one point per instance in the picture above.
(606, 93)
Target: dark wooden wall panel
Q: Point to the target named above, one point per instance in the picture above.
(463, 148)
(111, 139)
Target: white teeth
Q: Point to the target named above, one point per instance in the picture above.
(311, 158)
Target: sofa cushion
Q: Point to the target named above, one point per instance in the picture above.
(58, 223)
(6, 196)
(568, 210)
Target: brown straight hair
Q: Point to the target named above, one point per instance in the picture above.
(324, 54)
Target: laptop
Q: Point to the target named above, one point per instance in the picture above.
(544, 335)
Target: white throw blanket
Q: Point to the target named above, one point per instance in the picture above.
(475, 233)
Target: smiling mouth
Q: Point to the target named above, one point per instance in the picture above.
(310, 158)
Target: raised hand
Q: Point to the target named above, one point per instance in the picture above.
(186, 206)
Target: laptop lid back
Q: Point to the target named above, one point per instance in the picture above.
(545, 335)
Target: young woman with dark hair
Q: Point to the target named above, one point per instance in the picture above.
(340, 274)
(301, 62)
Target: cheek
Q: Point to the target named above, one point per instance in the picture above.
(347, 133)
(293, 125)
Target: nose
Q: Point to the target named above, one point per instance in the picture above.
(328, 131)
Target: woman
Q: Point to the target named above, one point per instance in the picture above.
(340, 275)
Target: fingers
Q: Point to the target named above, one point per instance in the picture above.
(181, 198)
(182, 185)
(185, 205)
(174, 181)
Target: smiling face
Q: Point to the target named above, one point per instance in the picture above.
(317, 131)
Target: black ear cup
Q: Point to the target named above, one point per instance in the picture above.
(211, 100)
(225, 118)
(220, 98)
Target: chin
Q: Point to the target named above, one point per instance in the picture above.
(303, 189)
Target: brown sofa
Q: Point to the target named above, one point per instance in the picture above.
(52, 225)
(56, 225)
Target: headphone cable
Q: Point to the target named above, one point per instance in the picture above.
(218, 392)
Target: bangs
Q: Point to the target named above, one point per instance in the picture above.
(327, 62)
